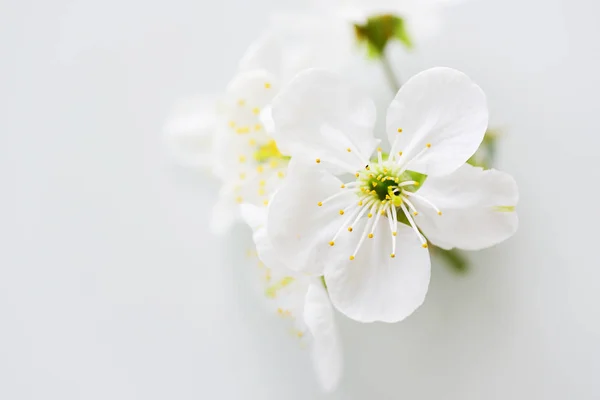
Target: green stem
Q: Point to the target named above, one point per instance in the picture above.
(389, 73)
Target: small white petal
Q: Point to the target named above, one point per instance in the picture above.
(326, 346)
(477, 208)
(299, 229)
(375, 286)
(319, 116)
(263, 54)
(189, 131)
(256, 218)
(443, 108)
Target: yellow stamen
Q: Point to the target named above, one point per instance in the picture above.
(318, 160)
(370, 236)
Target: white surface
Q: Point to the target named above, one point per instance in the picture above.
(111, 286)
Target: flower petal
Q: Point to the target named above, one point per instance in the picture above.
(376, 287)
(299, 229)
(477, 208)
(440, 108)
(256, 218)
(263, 54)
(318, 116)
(326, 347)
(189, 131)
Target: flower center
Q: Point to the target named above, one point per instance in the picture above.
(384, 188)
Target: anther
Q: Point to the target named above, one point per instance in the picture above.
(399, 130)
(394, 233)
(348, 149)
(242, 159)
(281, 174)
(351, 258)
(342, 186)
(439, 213)
(260, 169)
(252, 142)
(318, 160)
(367, 167)
(379, 149)
(393, 255)
(331, 243)
(241, 102)
(262, 182)
(428, 145)
(360, 203)
(370, 236)
(239, 199)
(320, 203)
(400, 153)
(257, 127)
(256, 110)
(266, 202)
(341, 212)
(232, 124)
(242, 176)
(357, 174)
(267, 85)
(349, 229)
(370, 215)
(424, 245)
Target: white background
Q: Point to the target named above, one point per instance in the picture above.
(111, 286)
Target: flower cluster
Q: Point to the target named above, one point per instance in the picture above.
(340, 221)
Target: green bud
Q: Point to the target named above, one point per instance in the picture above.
(379, 30)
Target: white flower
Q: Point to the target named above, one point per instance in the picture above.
(375, 267)
(301, 300)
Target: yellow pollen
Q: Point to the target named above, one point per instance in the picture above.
(370, 236)
(367, 167)
(415, 213)
(242, 159)
(242, 176)
(331, 243)
(257, 127)
(341, 212)
(416, 183)
(320, 204)
(399, 130)
(342, 186)
(266, 202)
(318, 160)
(281, 174)
(262, 182)
(239, 199)
(399, 153)
(273, 163)
(394, 233)
(260, 169)
(256, 110)
(382, 212)
(252, 142)
(261, 192)
(439, 213)
(232, 124)
(374, 184)
(351, 258)
(370, 215)
(242, 129)
(424, 245)
(393, 255)
(267, 85)
(385, 172)
(360, 203)
(428, 145)
(241, 102)
(348, 149)
(379, 149)
(349, 229)
(357, 174)
(299, 334)
(280, 311)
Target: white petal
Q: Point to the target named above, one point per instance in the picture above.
(298, 228)
(477, 208)
(319, 116)
(441, 107)
(326, 347)
(263, 54)
(189, 131)
(256, 218)
(376, 287)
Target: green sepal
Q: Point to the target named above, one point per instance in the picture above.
(485, 155)
(377, 32)
(413, 176)
(454, 259)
